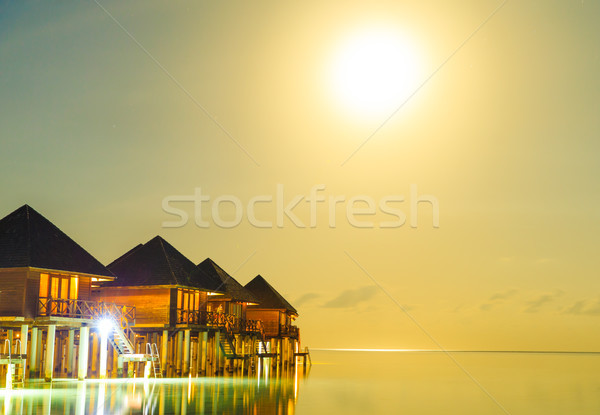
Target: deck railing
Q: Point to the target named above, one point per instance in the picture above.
(52, 307)
(212, 319)
(291, 331)
(205, 318)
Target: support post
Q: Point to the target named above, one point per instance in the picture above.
(179, 352)
(186, 353)
(38, 354)
(24, 341)
(70, 352)
(163, 354)
(33, 354)
(217, 362)
(49, 372)
(204, 353)
(103, 354)
(84, 347)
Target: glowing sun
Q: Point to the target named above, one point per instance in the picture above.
(374, 71)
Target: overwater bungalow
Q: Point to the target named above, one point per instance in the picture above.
(47, 315)
(151, 311)
(276, 315)
(233, 299)
(171, 297)
(229, 307)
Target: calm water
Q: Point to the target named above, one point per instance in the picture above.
(346, 383)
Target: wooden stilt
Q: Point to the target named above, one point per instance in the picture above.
(94, 359)
(186, 353)
(164, 357)
(179, 353)
(33, 353)
(203, 351)
(39, 353)
(24, 345)
(84, 347)
(217, 353)
(70, 352)
(49, 372)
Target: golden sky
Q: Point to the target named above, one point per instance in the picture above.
(108, 108)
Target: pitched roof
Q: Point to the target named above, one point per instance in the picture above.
(27, 239)
(267, 296)
(156, 262)
(208, 270)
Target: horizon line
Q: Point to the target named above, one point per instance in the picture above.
(324, 349)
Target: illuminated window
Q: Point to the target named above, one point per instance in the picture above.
(43, 286)
(64, 288)
(188, 299)
(54, 286)
(74, 288)
(59, 286)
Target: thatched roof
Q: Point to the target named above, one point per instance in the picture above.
(267, 296)
(27, 239)
(156, 262)
(208, 270)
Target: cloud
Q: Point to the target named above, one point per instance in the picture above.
(352, 297)
(497, 298)
(584, 308)
(306, 298)
(486, 306)
(533, 306)
(504, 294)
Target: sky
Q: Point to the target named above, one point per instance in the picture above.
(114, 114)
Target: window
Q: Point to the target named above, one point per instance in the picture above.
(43, 286)
(74, 287)
(54, 287)
(188, 299)
(59, 286)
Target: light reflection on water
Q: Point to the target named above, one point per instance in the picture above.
(225, 395)
(345, 383)
(430, 383)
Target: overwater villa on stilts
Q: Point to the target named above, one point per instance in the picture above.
(152, 312)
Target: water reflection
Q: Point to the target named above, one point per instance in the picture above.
(225, 395)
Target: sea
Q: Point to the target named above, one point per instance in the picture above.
(345, 382)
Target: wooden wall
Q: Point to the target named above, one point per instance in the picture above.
(269, 318)
(152, 305)
(12, 291)
(32, 291)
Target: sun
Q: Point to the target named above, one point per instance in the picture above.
(374, 71)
